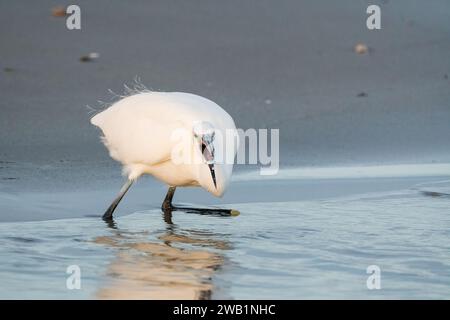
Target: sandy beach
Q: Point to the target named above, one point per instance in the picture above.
(351, 125)
(296, 71)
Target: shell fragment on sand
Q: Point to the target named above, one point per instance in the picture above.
(90, 57)
(361, 48)
(59, 11)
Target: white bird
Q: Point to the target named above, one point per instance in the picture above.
(148, 131)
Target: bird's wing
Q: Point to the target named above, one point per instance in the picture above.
(136, 132)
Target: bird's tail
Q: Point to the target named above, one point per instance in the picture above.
(97, 120)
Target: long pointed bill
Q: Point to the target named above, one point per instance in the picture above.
(208, 155)
(213, 174)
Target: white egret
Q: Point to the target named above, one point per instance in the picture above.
(140, 130)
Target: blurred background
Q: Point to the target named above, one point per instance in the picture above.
(289, 65)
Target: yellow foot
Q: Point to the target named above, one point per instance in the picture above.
(234, 213)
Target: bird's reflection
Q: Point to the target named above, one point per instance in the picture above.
(178, 266)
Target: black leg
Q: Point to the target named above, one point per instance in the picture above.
(109, 212)
(167, 207)
(167, 203)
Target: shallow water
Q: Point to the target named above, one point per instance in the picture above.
(283, 250)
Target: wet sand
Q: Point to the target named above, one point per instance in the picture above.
(30, 203)
(289, 66)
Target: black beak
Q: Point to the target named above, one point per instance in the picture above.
(213, 174)
(208, 155)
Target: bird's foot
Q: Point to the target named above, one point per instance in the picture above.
(206, 211)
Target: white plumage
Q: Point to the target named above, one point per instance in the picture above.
(139, 131)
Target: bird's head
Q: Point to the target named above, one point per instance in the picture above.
(213, 174)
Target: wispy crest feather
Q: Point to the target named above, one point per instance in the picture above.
(136, 87)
